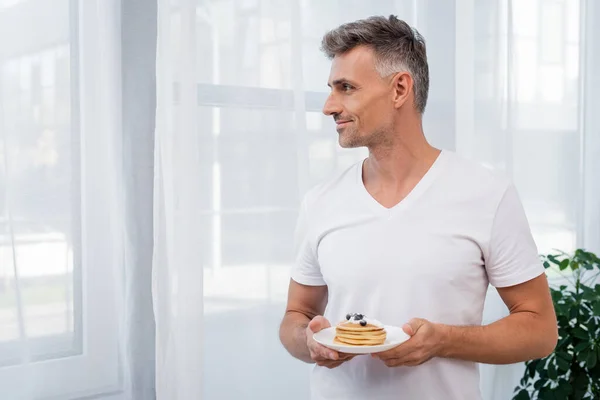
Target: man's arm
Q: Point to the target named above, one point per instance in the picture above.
(302, 318)
(529, 332)
(304, 303)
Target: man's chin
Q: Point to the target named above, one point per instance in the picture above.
(349, 139)
(348, 144)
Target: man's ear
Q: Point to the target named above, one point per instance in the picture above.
(402, 85)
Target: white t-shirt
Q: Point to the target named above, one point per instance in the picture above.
(431, 256)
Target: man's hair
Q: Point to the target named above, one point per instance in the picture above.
(397, 47)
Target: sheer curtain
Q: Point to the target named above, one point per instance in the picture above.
(241, 137)
(92, 193)
(531, 105)
(74, 282)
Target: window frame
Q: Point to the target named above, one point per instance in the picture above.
(95, 97)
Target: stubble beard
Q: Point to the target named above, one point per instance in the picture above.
(351, 138)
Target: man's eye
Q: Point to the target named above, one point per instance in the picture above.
(346, 87)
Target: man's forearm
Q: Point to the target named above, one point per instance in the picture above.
(518, 337)
(292, 334)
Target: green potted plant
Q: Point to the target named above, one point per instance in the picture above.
(572, 371)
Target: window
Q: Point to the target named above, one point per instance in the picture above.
(527, 113)
(261, 85)
(39, 252)
(58, 242)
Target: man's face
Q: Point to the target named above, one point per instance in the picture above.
(361, 101)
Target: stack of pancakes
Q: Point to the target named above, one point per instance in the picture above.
(356, 335)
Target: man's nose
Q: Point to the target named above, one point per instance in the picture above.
(331, 106)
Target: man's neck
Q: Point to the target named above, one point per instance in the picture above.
(391, 173)
(395, 163)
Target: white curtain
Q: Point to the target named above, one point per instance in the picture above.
(100, 209)
(241, 138)
(179, 192)
(75, 257)
(529, 112)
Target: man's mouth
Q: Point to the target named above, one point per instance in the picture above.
(341, 123)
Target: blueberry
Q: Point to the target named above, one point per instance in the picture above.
(348, 316)
(363, 323)
(359, 316)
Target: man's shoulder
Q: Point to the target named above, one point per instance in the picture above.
(475, 183)
(469, 173)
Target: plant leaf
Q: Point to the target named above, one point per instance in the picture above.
(540, 367)
(563, 390)
(564, 355)
(563, 365)
(556, 296)
(595, 372)
(552, 374)
(574, 265)
(583, 355)
(597, 308)
(581, 334)
(546, 394)
(538, 384)
(588, 293)
(563, 334)
(593, 326)
(553, 259)
(523, 381)
(582, 346)
(564, 264)
(573, 312)
(522, 395)
(566, 388)
(531, 368)
(580, 385)
(591, 359)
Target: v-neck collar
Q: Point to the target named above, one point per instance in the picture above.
(423, 184)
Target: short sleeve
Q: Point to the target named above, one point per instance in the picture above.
(306, 269)
(512, 257)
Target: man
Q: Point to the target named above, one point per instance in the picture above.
(411, 236)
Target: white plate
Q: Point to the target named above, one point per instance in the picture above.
(395, 336)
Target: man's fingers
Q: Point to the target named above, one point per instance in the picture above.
(412, 326)
(415, 351)
(334, 364)
(334, 355)
(331, 355)
(323, 353)
(392, 362)
(329, 358)
(328, 354)
(318, 323)
(397, 362)
(397, 352)
(330, 364)
(410, 361)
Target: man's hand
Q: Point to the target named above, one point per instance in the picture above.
(320, 354)
(424, 343)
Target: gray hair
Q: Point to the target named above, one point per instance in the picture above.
(397, 47)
